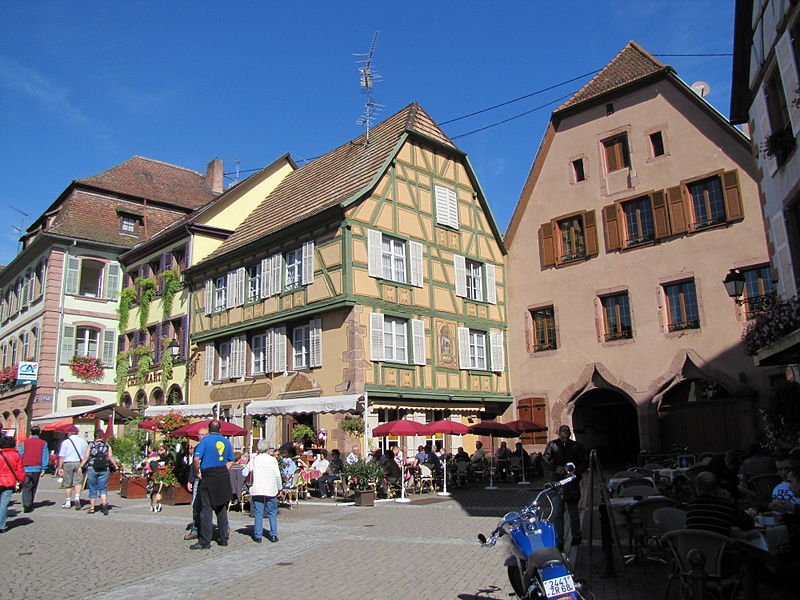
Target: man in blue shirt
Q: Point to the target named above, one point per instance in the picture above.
(213, 458)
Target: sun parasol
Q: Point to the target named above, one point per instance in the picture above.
(492, 429)
(449, 428)
(149, 425)
(191, 430)
(524, 426)
(62, 426)
(401, 427)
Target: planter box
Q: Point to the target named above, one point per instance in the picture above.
(175, 495)
(132, 487)
(365, 498)
(114, 481)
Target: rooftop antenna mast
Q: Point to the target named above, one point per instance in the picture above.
(368, 79)
(21, 229)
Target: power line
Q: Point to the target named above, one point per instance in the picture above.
(707, 54)
(547, 89)
(527, 112)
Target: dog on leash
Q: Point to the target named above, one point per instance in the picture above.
(154, 491)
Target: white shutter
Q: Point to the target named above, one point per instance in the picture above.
(418, 333)
(782, 257)
(786, 64)
(376, 337)
(308, 263)
(463, 347)
(209, 296)
(111, 287)
(498, 351)
(230, 289)
(315, 337)
(415, 255)
(452, 205)
(763, 129)
(241, 286)
(446, 206)
(269, 351)
(279, 349)
(238, 356)
(491, 283)
(242, 355)
(276, 262)
(460, 266)
(233, 359)
(67, 344)
(73, 274)
(109, 346)
(375, 253)
(24, 293)
(210, 358)
(265, 278)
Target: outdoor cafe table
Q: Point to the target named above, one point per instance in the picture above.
(615, 482)
(773, 539)
(669, 474)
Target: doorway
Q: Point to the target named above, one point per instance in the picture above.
(606, 420)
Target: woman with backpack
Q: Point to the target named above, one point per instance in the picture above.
(98, 458)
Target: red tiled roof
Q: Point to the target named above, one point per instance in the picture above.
(86, 216)
(631, 64)
(332, 178)
(154, 180)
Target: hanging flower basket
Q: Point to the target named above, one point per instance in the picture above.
(87, 368)
(8, 378)
(166, 424)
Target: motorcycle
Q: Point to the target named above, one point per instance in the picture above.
(537, 569)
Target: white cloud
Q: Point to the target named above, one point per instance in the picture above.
(28, 82)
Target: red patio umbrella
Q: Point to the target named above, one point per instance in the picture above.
(450, 428)
(62, 426)
(492, 429)
(401, 427)
(149, 425)
(191, 430)
(525, 426)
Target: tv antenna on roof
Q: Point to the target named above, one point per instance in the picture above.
(368, 79)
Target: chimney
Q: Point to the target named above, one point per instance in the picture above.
(214, 176)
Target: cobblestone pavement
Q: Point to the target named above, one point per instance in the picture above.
(426, 549)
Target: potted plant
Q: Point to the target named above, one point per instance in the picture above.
(353, 426)
(87, 368)
(303, 433)
(172, 492)
(363, 478)
(779, 144)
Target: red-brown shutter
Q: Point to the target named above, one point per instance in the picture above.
(677, 210)
(733, 196)
(611, 230)
(660, 214)
(533, 409)
(547, 245)
(590, 233)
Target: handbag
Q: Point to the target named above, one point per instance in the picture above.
(10, 468)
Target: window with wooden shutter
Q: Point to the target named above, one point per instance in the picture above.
(463, 348)
(547, 246)
(733, 196)
(459, 266)
(208, 297)
(265, 275)
(209, 360)
(590, 233)
(375, 253)
(639, 226)
(782, 257)
(497, 343)
(279, 349)
(109, 343)
(67, 344)
(491, 283)
(73, 275)
(315, 358)
(418, 333)
(544, 329)
(616, 151)
(112, 283)
(415, 262)
(677, 210)
(660, 215)
(533, 409)
(611, 232)
(276, 264)
(241, 286)
(446, 206)
(308, 262)
(763, 129)
(376, 337)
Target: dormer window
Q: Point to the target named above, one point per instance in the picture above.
(128, 224)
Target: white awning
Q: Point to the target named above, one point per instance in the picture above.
(185, 410)
(299, 406)
(75, 411)
(461, 409)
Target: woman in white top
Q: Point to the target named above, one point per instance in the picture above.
(264, 491)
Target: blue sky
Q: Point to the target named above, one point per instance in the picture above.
(86, 85)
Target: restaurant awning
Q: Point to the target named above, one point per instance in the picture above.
(461, 409)
(74, 412)
(299, 406)
(186, 410)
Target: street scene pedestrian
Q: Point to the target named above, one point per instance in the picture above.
(12, 476)
(70, 456)
(213, 458)
(97, 462)
(264, 491)
(557, 455)
(35, 456)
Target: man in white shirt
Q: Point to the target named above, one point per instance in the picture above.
(321, 463)
(70, 456)
(783, 498)
(354, 456)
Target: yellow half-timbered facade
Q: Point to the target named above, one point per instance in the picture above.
(371, 281)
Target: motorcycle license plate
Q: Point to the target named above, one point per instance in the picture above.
(560, 585)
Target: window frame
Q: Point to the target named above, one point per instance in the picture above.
(220, 294)
(224, 357)
(253, 283)
(474, 277)
(642, 238)
(712, 220)
(397, 332)
(87, 341)
(394, 258)
(653, 146)
(478, 339)
(128, 220)
(293, 275)
(681, 308)
(753, 304)
(547, 332)
(301, 347)
(580, 252)
(621, 157)
(615, 329)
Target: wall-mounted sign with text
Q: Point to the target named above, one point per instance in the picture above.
(27, 372)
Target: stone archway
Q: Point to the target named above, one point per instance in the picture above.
(606, 420)
(126, 400)
(156, 397)
(175, 394)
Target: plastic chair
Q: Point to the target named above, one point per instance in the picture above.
(638, 490)
(635, 482)
(669, 519)
(292, 493)
(714, 546)
(762, 485)
(624, 474)
(462, 473)
(425, 479)
(646, 532)
(342, 486)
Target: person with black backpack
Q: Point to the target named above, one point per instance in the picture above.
(97, 462)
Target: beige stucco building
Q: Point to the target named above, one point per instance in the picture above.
(639, 202)
(369, 282)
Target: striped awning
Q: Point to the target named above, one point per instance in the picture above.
(304, 406)
(185, 410)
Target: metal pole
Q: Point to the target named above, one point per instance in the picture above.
(491, 485)
(402, 499)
